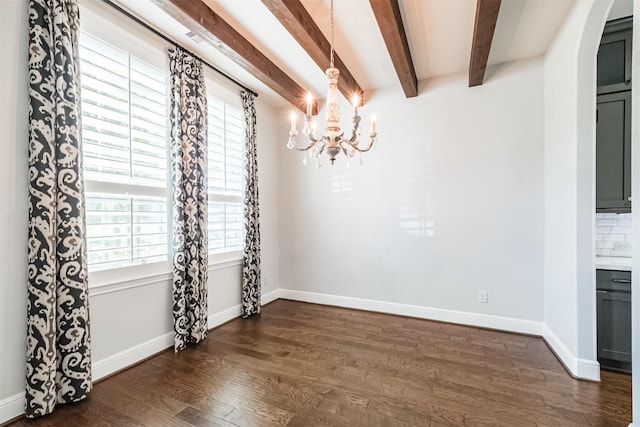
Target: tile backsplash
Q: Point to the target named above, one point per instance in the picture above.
(613, 234)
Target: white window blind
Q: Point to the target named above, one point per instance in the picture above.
(125, 134)
(225, 176)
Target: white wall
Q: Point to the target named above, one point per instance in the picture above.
(450, 203)
(129, 321)
(13, 209)
(569, 282)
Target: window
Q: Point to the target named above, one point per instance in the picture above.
(125, 147)
(125, 132)
(226, 171)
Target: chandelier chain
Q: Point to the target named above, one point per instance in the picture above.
(332, 33)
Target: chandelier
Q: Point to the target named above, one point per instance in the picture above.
(334, 141)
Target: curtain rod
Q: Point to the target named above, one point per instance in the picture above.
(168, 40)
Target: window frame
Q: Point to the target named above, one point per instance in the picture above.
(228, 94)
(115, 29)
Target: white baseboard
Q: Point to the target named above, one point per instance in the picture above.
(580, 368)
(588, 370)
(133, 355)
(217, 319)
(231, 313)
(473, 319)
(130, 356)
(11, 407)
(270, 296)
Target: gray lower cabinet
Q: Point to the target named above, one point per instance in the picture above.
(614, 319)
(613, 152)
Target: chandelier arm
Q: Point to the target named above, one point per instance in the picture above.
(315, 139)
(354, 131)
(371, 141)
(307, 148)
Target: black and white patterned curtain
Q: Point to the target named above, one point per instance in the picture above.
(189, 177)
(251, 289)
(58, 339)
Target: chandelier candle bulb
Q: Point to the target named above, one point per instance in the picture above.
(309, 103)
(355, 105)
(373, 123)
(293, 120)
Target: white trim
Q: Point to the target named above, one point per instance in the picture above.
(11, 407)
(465, 318)
(135, 354)
(270, 296)
(108, 288)
(219, 265)
(120, 285)
(217, 319)
(560, 349)
(579, 368)
(130, 356)
(588, 369)
(129, 275)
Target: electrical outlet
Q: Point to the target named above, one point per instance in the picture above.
(265, 281)
(483, 296)
(622, 246)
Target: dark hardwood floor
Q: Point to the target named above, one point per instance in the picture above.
(307, 365)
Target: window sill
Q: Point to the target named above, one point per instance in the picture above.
(128, 283)
(108, 281)
(222, 260)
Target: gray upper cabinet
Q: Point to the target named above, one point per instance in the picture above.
(613, 152)
(613, 128)
(614, 57)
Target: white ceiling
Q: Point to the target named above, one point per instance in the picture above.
(439, 34)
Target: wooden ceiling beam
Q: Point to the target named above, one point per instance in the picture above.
(485, 25)
(295, 18)
(387, 13)
(199, 18)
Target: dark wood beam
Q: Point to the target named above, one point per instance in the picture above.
(486, 18)
(199, 18)
(387, 13)
(295, 18)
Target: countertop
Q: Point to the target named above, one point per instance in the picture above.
(613, 263)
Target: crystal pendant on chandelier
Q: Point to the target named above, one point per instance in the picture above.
(334, 141)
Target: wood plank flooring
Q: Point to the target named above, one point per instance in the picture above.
(307, 365)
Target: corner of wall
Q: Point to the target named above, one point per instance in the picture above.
(579, 368)
(569, 272)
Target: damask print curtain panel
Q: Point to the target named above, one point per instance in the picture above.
(58, 340)
(251, 303)
(189, 177)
